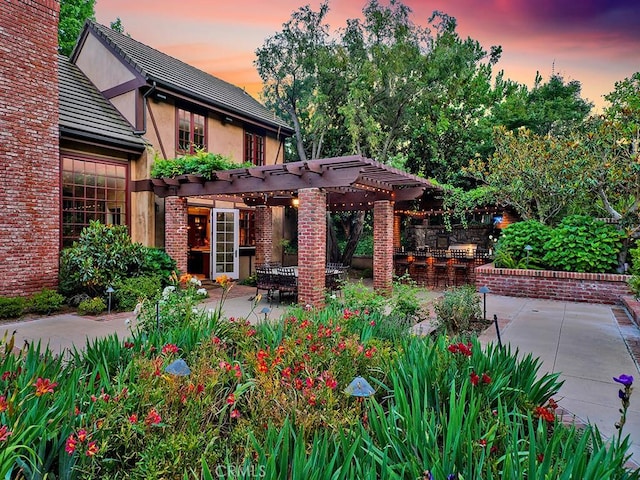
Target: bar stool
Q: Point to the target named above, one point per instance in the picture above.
(419, 273)
(460, 264)
(440, 267)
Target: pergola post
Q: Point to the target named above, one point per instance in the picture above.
(312, 246)
(383, 221)
(176, 233)
(264, 234)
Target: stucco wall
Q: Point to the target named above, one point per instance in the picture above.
(97, 63)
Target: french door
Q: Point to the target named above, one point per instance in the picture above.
(224, 244)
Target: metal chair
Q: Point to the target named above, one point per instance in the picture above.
(287, 282)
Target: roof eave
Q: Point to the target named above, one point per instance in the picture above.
(128, 146)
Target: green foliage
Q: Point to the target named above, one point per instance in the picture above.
(46, 301)
(201, 163)
(93, 306)
(130, 291)
(583, 244)
(634, 281)
(73, 14)
(457, 308)
(157, 262)
(510, 250)
(12, 307)
(102, 255)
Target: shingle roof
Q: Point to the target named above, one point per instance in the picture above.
(85, 113)
(179, 76)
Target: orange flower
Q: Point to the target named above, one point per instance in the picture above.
(3, 403)
(82, 435)
(185, 278)
(92, 449)
(43, 386)
(70, 446)
(223, 280)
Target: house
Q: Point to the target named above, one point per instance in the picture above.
(178, 109)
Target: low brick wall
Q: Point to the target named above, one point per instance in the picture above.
(554, 285)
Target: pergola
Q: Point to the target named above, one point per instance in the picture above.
(328, 184)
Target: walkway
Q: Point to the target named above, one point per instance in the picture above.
(584, 342)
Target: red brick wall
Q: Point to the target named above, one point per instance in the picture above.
(554, 285)
(383, 246)
(29, 158)
(264, 234)
(312, 246)
(176, 235)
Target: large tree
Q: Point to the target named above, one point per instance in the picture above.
(73, 14)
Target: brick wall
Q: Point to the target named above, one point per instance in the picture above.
(312, 246)
(176, 235)
(383, 246)
(29, 155)
(264, 234)
(554, 285)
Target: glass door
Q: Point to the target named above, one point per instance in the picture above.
(224, 245)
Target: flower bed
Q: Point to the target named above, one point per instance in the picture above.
(205, 397)
(554, 285)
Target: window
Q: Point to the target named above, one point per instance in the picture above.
(191, 131)
(254, 148)
(247, 228)
(91, 190)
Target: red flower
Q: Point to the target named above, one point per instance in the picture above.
(199, 389)
(82, 435)
(331, 383)
(251, 332)
(297, 383)
(153, 418)
(4, 433)
(76, 411)
(494, 450)
(474, 378)
(44, 386)
(486, 378)
(453, 348)
(372, 323)
(70, 446)
(238, 374)
(133, 418)
(231, 399)
(540, 457)
(262, 355)
(169, 348)
(129, 344)
(216, 340)
(262, 367)
(312, 400)
(309, 382)
(235, 413)
(5, 376)
(545, 414)
(3, 403)
(92, 449)
(369, 352)
(482, 442)
(225, 365)
(286, 373)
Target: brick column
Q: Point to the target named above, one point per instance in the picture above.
(264, 234)
(383, 247)
(29, 147)
(397, 233)
(312, 246)
(176, 233)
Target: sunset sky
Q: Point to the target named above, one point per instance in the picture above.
(594, 42)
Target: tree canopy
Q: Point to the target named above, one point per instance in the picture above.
(73, 14)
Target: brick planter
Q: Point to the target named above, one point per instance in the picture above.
(554, 285)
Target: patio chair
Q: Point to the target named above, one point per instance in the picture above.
(287, 282)
(440, 267)
(335, 275)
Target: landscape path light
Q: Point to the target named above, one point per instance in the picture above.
(110, 290)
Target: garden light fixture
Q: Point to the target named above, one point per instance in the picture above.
(178, 368)
(110, 290)
(484, 290)
(359, 387)
(527, 249)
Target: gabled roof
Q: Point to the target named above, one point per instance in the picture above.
(86, 115)
(173, 74)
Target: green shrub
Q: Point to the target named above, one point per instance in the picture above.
(102, 255)
(157, 262)
(202, 163)
(130, 291)
(12, 307)
(92, 307)
(457, 308)
(634, 281)
(510, 250)
(46, 301)
(583, 244)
